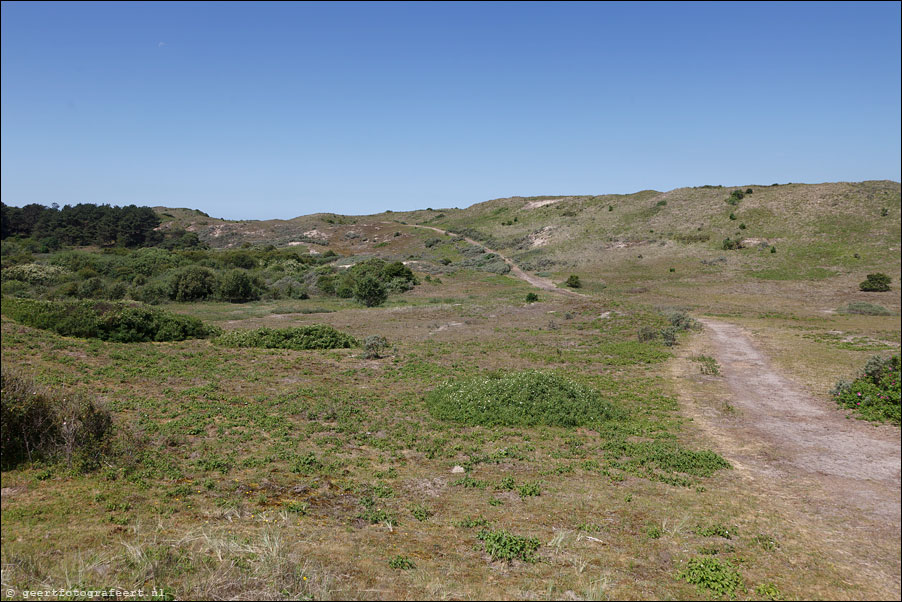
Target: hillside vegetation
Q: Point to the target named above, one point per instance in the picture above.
(386, 407)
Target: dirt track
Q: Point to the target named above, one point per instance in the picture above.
(537, 281)
(833, 476)
(858, 462)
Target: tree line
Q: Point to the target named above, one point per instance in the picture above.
(82, 224)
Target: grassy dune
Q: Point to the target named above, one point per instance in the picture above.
(319, 474)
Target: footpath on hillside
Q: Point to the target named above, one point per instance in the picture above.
(537, 281)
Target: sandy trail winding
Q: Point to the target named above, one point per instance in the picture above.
(537, 281)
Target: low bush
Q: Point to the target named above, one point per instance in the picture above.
(41, 425)
(34, 273)
(719, 576)
(573, 281)
(864, 309)
(319, 336)
(519, 399)
(730, 244)
(681, 320)
(504, 545)
(876, 283)
(875, 393)
(118, 322)
(374, 346)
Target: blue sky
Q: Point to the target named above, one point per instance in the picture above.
(278, 110)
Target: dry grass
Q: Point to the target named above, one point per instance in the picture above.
(223, 500)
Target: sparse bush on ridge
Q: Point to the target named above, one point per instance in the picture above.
(319, 336)
(108, 321)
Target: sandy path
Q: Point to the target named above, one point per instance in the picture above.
(537, 281)
(854, 464)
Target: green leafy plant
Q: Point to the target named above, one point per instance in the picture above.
(716, 530)
(504, 545)
(519, 399)
(573, 281)
(718, 576)
(421, 512)
(875, 392)
(401, 563)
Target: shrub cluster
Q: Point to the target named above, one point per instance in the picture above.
(40, 425)
(369, 281)
(679, 322)
(877, 283)
(108, 321)
(737, 195)
(874, 394)
(519, 399)
(730, 244)
(154, 275)
(318, 336)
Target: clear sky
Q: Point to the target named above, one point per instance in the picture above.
(278, 110)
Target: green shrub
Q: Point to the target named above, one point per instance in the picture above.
(401, 563)
(34, 273)
(864, 309)
(519, 399)
(681, 320)
(878, 283)
(41, 425)
(735, 197)
(875, 392)
(531, 297)
(319, 336)
(193, 283)
(648, 334)
(731, 245)
(504, 545)
(119, 322)
(237, 286)
(668, 336)
(719, 576)
(707, 365)
(374, 346)
(573, 281)
(370, 291)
